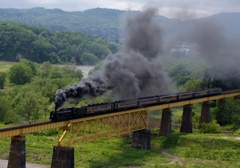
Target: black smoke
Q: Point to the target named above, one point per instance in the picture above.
(133, 72)
(221, 54)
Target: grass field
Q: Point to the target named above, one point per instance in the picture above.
(176, 150)
(4, 66)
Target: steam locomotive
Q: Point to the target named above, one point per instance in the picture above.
(96, 109)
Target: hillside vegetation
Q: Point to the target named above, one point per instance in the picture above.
(41, 45)
(106, 22)
(102, 22)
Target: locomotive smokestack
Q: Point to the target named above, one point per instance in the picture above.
(134, 71)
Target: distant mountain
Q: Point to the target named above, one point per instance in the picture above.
(103, 22)
(106, 22)
(228, 23)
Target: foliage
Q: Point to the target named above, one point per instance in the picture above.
(211, 127)
(32, 65)
(45, 69)
(89, 59)
(26, 102)
(101, 22)
(29, 103)
(187, 74)
(4, 106)
(20, 74)
(228, 113)
(41, 45)
(237, 132)
(3, 76)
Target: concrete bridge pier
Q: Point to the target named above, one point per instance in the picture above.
(62, 157)
(166, 125)
(186, 125)
(142, 139)
(205, 113)
(17, 156)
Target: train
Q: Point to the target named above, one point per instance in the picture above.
(108, 107)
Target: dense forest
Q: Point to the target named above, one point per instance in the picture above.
(101, 22)
(107, 22)
(40, 45)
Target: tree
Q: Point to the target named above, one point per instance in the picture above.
(29, 102)
(20, 74)
(89, 58)
(2, 79)
(32, 65)
(228, 113)
(45, 69)
(191, 85)
(56, 73)
(4, 106)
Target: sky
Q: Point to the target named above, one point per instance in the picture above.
(169, 8)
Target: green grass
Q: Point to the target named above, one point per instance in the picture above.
(218, 150)
(115, 152)
(191, 150)
(4, 66)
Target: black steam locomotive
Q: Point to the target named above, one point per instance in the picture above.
(96, 109)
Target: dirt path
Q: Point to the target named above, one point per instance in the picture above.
(175, 159)
(4, 163)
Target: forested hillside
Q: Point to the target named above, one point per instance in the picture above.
(106, 22)
(102, 22)
(40, 45)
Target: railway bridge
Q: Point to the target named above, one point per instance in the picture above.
(107, 125)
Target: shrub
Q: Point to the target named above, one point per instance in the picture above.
(211, 127)
(237, 132)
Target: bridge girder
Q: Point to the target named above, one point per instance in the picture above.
(103, 126)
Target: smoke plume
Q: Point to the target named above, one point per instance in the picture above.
(134, 71)
(220, 53)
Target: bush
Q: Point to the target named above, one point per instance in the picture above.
(237, 132)
(211, 127)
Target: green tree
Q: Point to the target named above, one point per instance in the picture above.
(3, 76)
(89, 58)
(228, 113)
(20, 74)
(4, 106)
(191, 85)
(56, 72)
(45, 69)
(29, 103)
(211, 127)
(32, 65)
